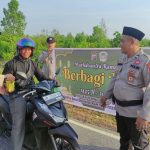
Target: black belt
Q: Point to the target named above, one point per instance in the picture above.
(127, 103)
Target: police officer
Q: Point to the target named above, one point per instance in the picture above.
(21, 63)
(47, 58)
(130, 91)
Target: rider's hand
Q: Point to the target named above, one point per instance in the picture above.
(3, 90)
(103, 101)
(9, 77)
(45, 60)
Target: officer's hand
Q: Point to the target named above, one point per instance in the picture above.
(141, 124)
(50, 50)
(43, 60)
(3, 90)
(56, 82)
(9, 77)
(103, 101)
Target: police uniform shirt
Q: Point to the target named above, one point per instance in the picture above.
(48, 63)
(132, 82)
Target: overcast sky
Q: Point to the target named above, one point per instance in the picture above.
(82, 15)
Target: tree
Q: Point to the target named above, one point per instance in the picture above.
(116, 40)
(145, 43)
(60, 38)
(81, 40)
(69, 41)
(14, 21)
(8, 45)
(98, 38)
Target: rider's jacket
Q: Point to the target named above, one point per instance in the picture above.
(29, 67)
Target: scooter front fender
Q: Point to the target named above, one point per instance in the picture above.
(64, 130)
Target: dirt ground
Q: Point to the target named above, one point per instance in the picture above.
(91, 117)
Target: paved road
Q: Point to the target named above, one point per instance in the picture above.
(4, 143)
(94, 138)
(90, 138)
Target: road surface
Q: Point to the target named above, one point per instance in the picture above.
(90, 138)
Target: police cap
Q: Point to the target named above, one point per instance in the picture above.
(50, 40)
(137, 34)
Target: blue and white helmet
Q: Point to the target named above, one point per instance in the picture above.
(25, 42)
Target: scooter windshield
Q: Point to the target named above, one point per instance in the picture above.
(45, 85)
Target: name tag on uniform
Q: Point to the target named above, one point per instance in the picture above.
(135, 67)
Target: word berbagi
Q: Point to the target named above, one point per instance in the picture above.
(98, 79)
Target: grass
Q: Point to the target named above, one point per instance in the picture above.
(92, 117)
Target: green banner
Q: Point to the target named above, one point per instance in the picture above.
(85, 75)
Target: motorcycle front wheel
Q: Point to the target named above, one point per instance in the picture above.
(65, 143)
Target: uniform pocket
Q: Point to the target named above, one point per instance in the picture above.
(132, 76)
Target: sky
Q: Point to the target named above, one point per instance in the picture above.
(78, 16)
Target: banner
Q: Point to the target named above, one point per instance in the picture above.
(85, 75)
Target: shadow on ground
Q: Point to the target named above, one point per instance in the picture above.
(4, 143)
(88, 147)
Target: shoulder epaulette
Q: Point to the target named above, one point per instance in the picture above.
(147, 55)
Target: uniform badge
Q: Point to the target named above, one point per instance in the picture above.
(130, 78)
(131, 75)
(137, 62)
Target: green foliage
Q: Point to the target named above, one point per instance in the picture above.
(8, 45)
(69, 41)
(145, 43)
(59, 38)
(98, 39)
(81, 40)
(14, 21)
(14, 24)
(40, 45)
(116, 40)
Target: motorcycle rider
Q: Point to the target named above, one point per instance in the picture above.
(22, 63)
